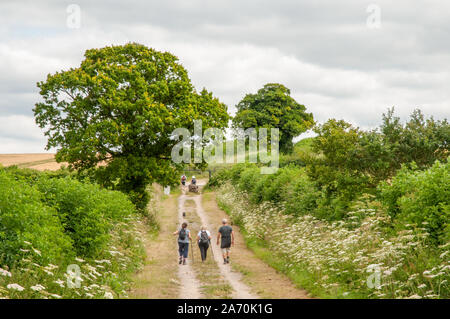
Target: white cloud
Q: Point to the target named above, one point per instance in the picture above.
(19, 134)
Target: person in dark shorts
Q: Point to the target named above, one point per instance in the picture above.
(226, 237)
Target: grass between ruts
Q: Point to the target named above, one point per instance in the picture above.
(208, 274)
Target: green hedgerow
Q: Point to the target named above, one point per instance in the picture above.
(25, 217)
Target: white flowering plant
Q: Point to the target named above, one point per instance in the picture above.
(357, 257)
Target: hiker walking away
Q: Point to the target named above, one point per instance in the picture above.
(193, 181)
(184, 235)
(203, 239)
(226, 234)
(183, 179)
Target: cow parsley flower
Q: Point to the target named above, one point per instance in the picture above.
(37, 287)
(108, 295)
(5, 273)
(15, 287)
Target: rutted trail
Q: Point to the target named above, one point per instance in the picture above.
(190, 285)
(245, 277)
(240, 290)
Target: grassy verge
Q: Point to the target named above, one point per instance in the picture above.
(158, 277)
(301, 277)
(346, 259)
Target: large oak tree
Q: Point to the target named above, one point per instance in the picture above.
(118, 109)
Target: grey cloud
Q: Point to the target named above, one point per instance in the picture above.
(322, 50)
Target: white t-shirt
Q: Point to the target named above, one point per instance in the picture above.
(200, 234)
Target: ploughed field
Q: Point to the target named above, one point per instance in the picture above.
(41, 162)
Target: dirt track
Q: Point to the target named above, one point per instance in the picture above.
(246, 276)
(190, 286)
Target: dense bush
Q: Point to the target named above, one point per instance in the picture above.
(60, 212)
(290, 187)
(51, 220)
(338, 171)
(421, 198)
(351, 161)
(31, 176)
(87, 212)
(232, 174)
(419, 140)
(24, 217)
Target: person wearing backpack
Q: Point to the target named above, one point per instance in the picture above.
(184, 235)
(226, 237)
(203, 238)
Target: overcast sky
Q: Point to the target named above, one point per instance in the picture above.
(337, 58)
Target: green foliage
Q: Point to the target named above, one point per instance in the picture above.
(119, 108)
(273, 107)
(419, 140)
(351, 162)
(48, 220)
(406, 235)
(63, 214)
(421, 198)
(289, 187)
(232, 174)
(30, 176)
(301, 154)
(87, 212)
(336, 259)
(25, 217)
(338, 171)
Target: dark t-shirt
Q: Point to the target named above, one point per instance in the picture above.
(225, 232)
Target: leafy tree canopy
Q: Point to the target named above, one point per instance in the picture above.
(273, 107)
(352, 161)
(118, 109)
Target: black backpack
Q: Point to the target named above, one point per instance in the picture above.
(182, 234)
(204, 237)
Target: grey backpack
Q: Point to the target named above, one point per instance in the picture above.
(204, 237)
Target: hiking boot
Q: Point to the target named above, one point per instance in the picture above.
(184, 261)
(224, 261)
(180, 261)
(228, 260)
